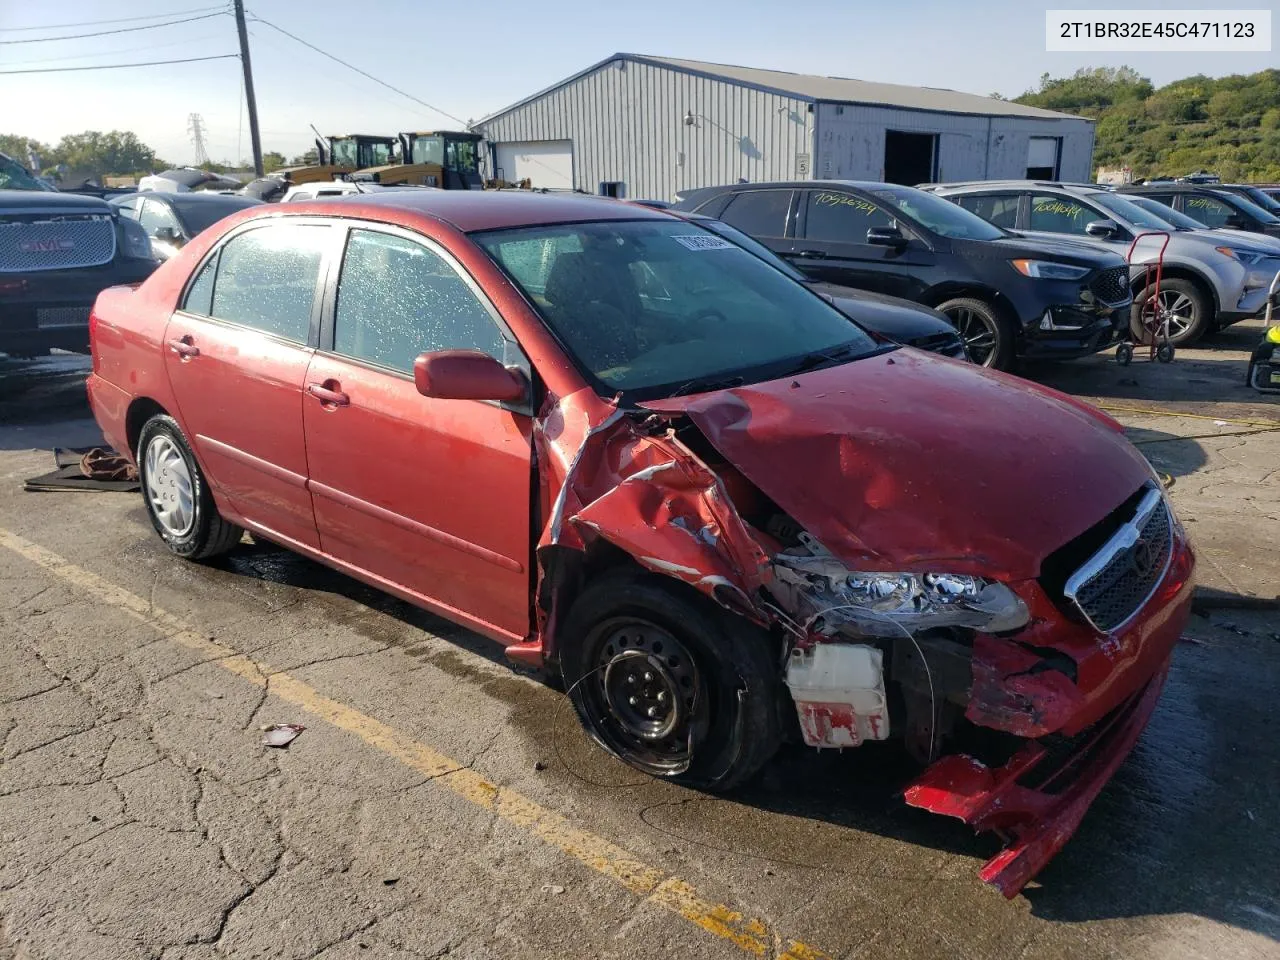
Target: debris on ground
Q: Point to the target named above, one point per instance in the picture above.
(552, 888)
(95, 468)
(280, 734)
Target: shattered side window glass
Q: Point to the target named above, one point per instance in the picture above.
(267, 279)
(397, 299)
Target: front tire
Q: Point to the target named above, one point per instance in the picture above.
(988, 336)
(1186, 305)
(177, 496)
(669, 683)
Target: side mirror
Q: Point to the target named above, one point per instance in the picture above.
(1236, 223)
(1102, 229)
(886, 237)
(466, 375)
(169, 235)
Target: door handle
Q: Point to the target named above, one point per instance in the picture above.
(812, 254)
(328, 393)
(184, 347)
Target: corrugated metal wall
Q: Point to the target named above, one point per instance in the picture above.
(851, 143)
(628, 124)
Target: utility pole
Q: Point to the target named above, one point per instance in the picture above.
(250, 101)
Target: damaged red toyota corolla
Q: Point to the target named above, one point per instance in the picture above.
(636, 454)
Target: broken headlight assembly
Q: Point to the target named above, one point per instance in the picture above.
(834, 599)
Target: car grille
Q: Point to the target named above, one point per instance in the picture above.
(1111, 286)
(1115, 582)
(48, 317)
(57, 243)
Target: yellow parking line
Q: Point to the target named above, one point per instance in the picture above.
(655, 885)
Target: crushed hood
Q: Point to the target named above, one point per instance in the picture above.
(905, 461)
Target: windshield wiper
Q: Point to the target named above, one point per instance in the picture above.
(820, 358)
(705, 384)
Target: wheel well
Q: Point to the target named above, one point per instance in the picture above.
(1193, 278)
(940, 295)
(140, 411)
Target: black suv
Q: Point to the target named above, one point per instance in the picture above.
(1216, 207)
(1009, 297)
(57, 252)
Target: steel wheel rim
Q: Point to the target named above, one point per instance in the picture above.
(169, 487)
(979, 336)
(655, 733)
(1177, 308)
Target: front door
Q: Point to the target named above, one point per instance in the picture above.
(832, 246)
(236, 353)
(430, 495)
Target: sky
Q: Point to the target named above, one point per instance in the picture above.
(472, 59)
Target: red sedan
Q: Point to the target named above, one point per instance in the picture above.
(637, 455)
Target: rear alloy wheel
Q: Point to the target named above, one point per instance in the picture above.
(668, 682)
(986, 335)
(1182, 303)
(177, 497)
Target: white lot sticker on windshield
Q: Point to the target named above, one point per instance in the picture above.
(703, 242)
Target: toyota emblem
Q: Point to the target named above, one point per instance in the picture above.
(1142, 555)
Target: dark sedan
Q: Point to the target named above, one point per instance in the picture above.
(1008, 296)
(1217, 207)
(899, 320)
(172, 219)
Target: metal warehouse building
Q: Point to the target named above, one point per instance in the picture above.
(645, 127)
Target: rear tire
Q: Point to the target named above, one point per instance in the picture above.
(1190, 312)
(669, 683)
(177, 496)
(988, 336)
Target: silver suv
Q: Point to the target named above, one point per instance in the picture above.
(1212, 278)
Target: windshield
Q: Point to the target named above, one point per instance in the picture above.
(1247, 206)
(428, 150)
(943, 217)
(1269, 204)
(1138, 216)
(752, 246)
(344, 152)
(653, 308)
(14, 176)
(204, 213)
(1179, 220)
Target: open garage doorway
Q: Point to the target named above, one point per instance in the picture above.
(910, 158)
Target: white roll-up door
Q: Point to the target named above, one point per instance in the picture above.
(547, 163)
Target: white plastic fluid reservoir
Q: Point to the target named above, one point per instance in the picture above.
(839, 693)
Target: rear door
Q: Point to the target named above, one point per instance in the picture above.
(430, 495)
(766, 215)
(832, 245)
(237, 352)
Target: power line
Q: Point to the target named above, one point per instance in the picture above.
(312, 46)
(104, 33)
(96, 23)
(120, 66)
(185, 41)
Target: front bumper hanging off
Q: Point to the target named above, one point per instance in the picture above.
(1037, 820)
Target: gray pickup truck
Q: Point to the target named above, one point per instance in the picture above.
(57, 252)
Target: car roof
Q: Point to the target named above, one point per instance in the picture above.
(470, 210)
(1163, 187)
(1019, 185)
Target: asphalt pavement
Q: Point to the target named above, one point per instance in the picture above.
(442, 803)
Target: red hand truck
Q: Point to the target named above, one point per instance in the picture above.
(1152, 314)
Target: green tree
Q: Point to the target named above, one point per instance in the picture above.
(94, 154)
(272, 160)
(1229, 125)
